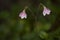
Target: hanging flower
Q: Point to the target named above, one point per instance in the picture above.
(23, 14)
(46, 11)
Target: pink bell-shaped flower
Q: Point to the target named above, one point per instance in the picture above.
(23, 14)
(46, 11)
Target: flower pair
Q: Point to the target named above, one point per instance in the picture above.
(45, 11)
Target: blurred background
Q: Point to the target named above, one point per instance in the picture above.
(35, 26)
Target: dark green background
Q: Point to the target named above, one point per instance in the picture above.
(35, 26)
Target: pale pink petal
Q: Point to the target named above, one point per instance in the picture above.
(46, 11)
(23, 14)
